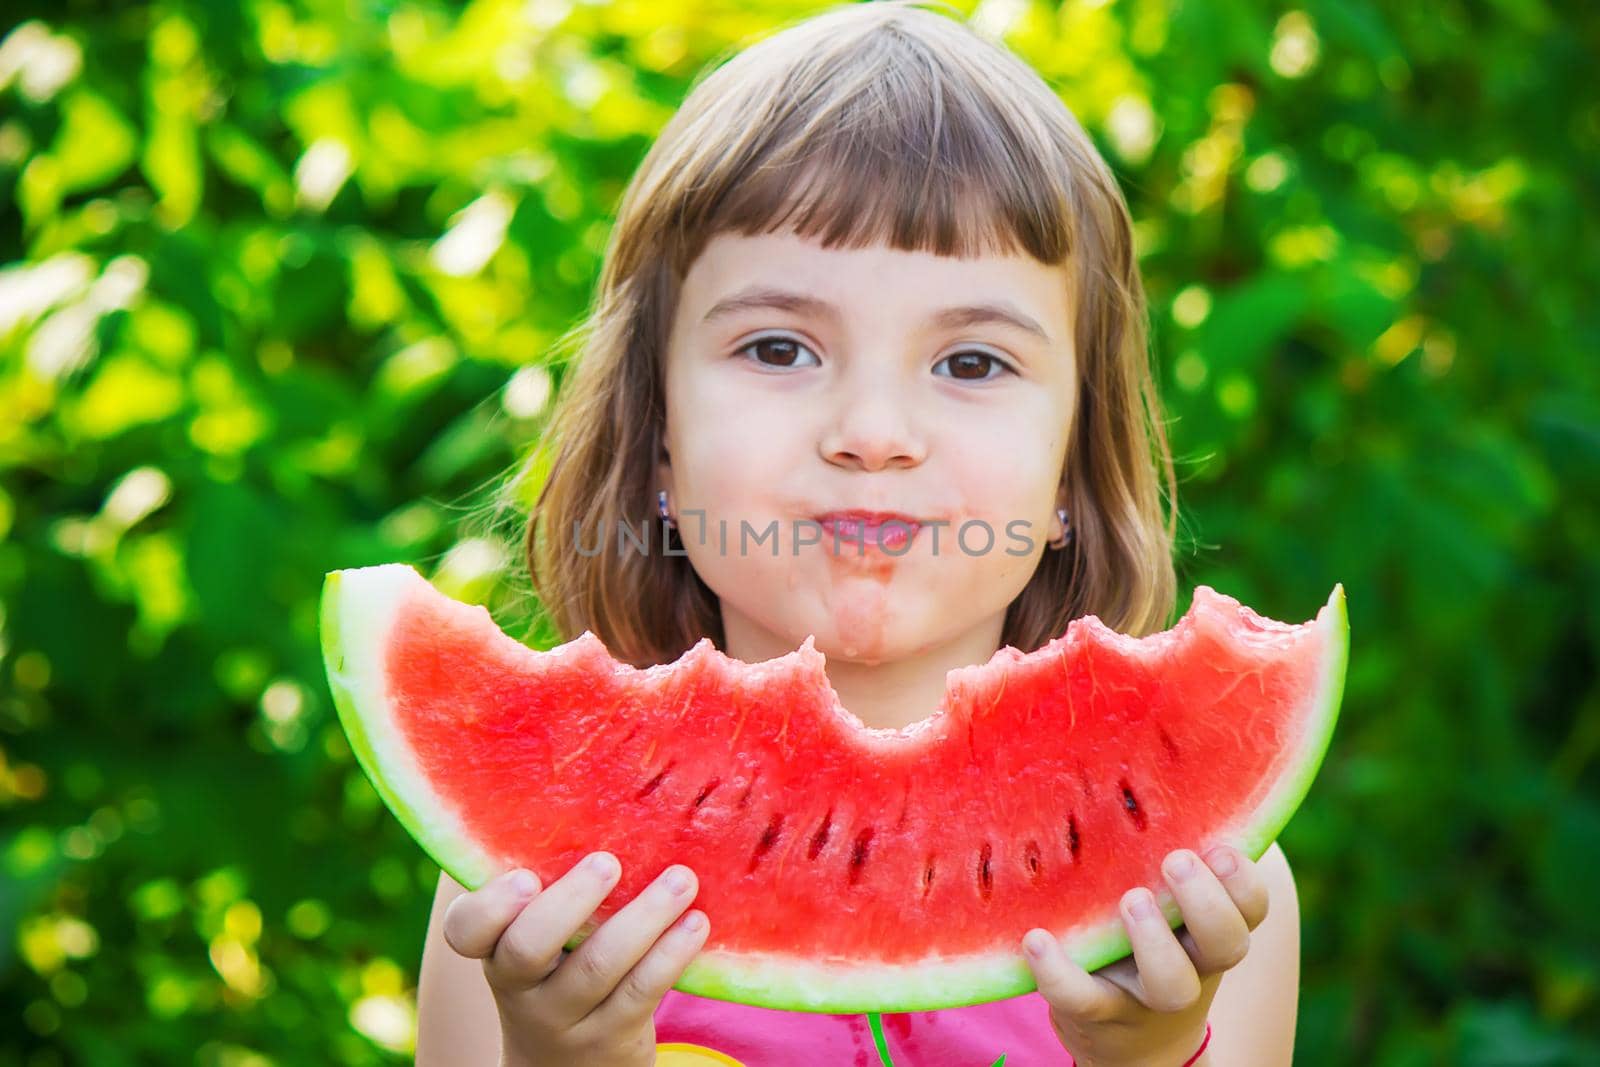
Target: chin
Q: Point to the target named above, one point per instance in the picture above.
(866, 649)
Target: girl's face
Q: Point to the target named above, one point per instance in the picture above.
(803, 381)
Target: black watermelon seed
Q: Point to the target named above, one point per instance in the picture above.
(858, 854)
(706, 790)
(820, 838)
(769, 837)
(1131, 805)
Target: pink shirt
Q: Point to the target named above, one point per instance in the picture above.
(699, 1032)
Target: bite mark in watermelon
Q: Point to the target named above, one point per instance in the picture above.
(843, 869)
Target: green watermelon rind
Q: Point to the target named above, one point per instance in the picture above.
(353, 628)
(354, 623)
(1279, 807)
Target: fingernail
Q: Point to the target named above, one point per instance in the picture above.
(1035, 942)
(603, 864)
(1180, 865)
(676, 880)
(1223, 861)
(1143, 906)
(694, 922)
(522, 884)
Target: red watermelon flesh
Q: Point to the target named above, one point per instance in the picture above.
(843, 868)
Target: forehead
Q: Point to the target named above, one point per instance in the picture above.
(876, 278)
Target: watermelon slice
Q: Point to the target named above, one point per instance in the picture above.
(843, 869)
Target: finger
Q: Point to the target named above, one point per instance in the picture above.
(1242, 879)
(1071, 991)
(474, 921)
(1167, 978)
(643, 988)
(592, 972)
(531, 947)
(1218, 937)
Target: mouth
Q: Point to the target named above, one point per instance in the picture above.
(872, 529)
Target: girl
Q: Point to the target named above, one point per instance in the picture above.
(872, 272)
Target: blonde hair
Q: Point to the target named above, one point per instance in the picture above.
(869, 123)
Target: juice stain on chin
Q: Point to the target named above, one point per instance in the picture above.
(871, 564)
(861, 592)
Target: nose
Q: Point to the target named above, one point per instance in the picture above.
(873, 429)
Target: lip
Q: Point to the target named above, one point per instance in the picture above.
(868, 527)
(869, 518)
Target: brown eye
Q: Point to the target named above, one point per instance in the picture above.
(972, 366)
(785, 352)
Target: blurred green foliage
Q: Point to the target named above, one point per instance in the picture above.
(284, 280)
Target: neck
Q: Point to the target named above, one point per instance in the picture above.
(884, 695)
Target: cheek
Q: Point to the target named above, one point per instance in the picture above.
(731, 465)
(735, 445)
(1006, 476)
(1006, 479)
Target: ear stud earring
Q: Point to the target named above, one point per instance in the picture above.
(1066, 530)
(661, 506)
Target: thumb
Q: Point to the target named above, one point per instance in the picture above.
(1070, 990)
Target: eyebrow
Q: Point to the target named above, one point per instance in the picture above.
(762, 296)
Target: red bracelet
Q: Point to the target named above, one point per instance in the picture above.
(1201, 1050)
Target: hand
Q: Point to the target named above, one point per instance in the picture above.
(1151, 1009)
(596, 1004)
